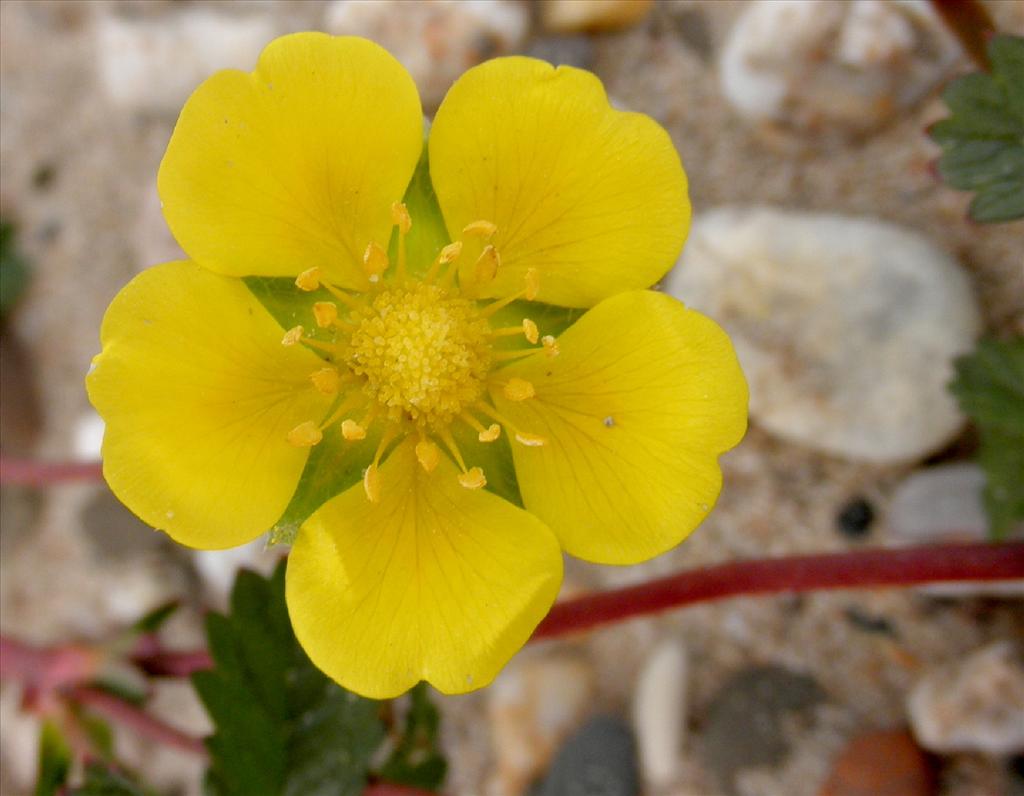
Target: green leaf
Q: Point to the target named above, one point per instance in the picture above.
(416, 760)
(989, 385)
(282, 727)
(54, 761)
(101, 780)
(983, 141)
(154, 620)
(14, 271)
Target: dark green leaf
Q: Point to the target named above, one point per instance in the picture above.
(282, 727)
(54, 761)
(154, 620)
(983, 140)
(989, 385)
(416, 760)
(101, 780)
(14, 271)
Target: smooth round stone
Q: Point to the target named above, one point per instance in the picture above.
(659, 712)
(846, 327)
(940, 504)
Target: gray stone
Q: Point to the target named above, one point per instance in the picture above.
(846, 327)
(599, 760)
(939, 504)
(747, 719)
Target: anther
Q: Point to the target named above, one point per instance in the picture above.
(326, 380)
(446, 256)
(400, 217)
(351, 430)
(530, 330)
(530, 440)
(305, 435)
(292, 336)
(550, 345)
(517, 389)
(486, 267)
(371, 483)
(479, 229)
(532, 279)
(375, 261)
(473, 478)
(489, 434)
(308, 280)
(326, 313)
(428, 454)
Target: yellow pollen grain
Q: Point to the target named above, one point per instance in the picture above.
(479, 229)
(428, 454)
(308, 280)
(326, 313)
(530, 330)
(489, 434)
(326, 380)
(352, 431)
(424, 352)
(473, 478)
(305, 435)
(517, 389)
(292, 336)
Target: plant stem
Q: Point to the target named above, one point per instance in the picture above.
(32, 473)
(970, 23)
(859, 569)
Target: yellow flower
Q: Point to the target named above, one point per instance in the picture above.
(400, 377)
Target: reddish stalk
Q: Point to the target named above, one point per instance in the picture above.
(970, 23)
(126, 714)
(31, 473)
(860, 569)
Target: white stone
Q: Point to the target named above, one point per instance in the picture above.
(533, 706)
(436, 40)
(973, 705)
(217, 568)
(846, 327)
(820, 64)
(87, 437)
(659, 712)
(154, 64)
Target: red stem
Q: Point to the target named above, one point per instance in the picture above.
(860, 569)
(970, 23)
(125, 713)
(32, 473)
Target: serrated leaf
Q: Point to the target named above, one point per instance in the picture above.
(989, 385)
(54, 761)
(416, 760)
(282, 727)
(14, 271)
(983, 141)
(100, 780)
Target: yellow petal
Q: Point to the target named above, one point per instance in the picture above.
(435, 582)
(295, 165)
(594, 198)
(199, 396)
(635, 410)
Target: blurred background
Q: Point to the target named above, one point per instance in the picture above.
(824, 241)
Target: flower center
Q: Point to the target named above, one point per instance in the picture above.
(425, 353)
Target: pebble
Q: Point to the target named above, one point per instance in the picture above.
(855, 518)
(152, 64)
(939, 504)
(533, 706)
(659, 712)
(574, 16)
(599, 760)
(881, 763)
(972, 705)
(436, 40)
(748, 717)
(846, 327)
(817, 66)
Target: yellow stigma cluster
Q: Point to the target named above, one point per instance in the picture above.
(424, 352)
(417, 355)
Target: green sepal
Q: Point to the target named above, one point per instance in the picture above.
(281, 726)
(983, 140)
(101, 780)
(989, 385)
(54, 761)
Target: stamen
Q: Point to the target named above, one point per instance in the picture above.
(344, 298)
(530, 440)
(293, 336)
(486, 266)
(326, 313)
(447, 255)
(428, 454)
(375, 262)
(532, 283)
(326, 380)
(529, 292)
(550, 345)
(342, 409)
(473, 478)
(352, 431)
(400, 218)
(305, 435)
(371, 478)
(530, 330)
(308, 280)
(479, 229)
(505, 356)
(523, 437)
(488, 434)
(516, 389)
